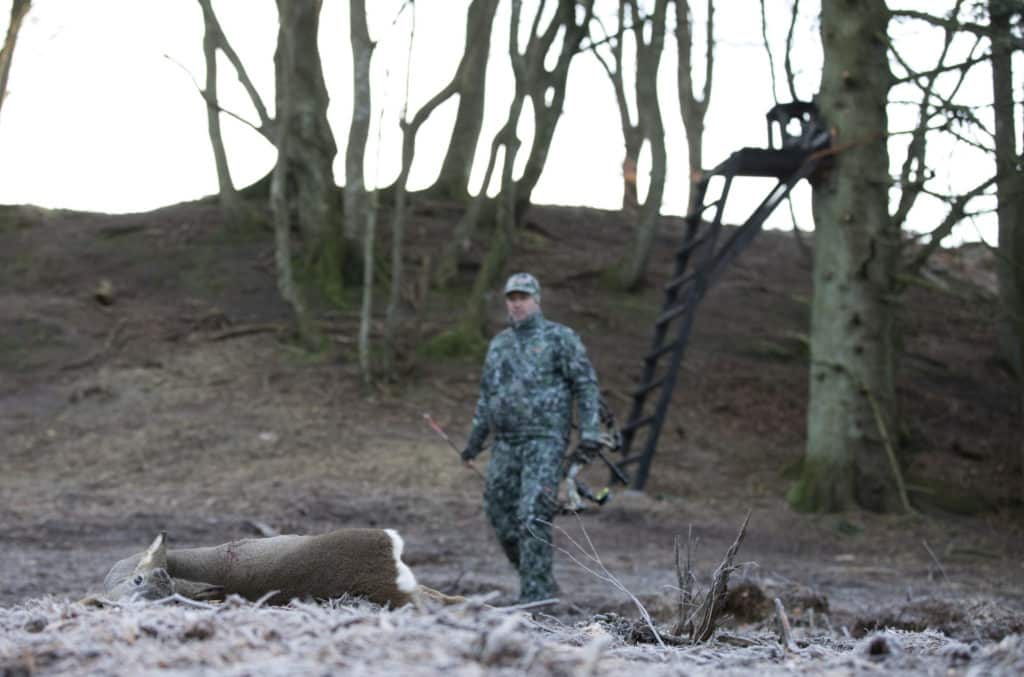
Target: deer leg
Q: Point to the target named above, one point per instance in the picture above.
(201, 592)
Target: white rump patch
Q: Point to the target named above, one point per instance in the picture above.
(406, 581)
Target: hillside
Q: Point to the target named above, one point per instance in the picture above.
(148, 382)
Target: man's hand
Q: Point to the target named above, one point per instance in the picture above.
(467, 456)
(586, 451)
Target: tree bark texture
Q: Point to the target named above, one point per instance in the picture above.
(359, 127)
(309, 149)
(852, 380)
(281, 209)
(470, 83)
(19, 8)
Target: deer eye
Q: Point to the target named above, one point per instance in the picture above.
(137, 580)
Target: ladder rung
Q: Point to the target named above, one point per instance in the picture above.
(643, 390)
(658, 352)
(633, 425)
(688, 247)
(679, 281)
(672, 313)
(709, 205)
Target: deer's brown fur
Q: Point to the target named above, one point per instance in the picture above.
(359, 562)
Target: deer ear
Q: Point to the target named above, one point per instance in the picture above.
(155, 556)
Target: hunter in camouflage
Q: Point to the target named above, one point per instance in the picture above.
(534, 371)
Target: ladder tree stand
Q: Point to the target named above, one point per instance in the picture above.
(701, 260)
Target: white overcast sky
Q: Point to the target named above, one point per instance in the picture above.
(102, 113)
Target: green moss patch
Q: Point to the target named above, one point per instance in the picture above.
(458, 343)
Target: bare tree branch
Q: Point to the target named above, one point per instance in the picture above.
(788, 63)
(264, 132)
(709, 54)
(768, 50)
(912, 174)
(957, 212)
(243, 77)
(19, 8)
(948, 22)
(913, 76)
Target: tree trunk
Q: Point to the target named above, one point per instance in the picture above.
(359, 128)
(632, 139)
(651, 129)
(474, 319)
(397, 269)
(448, 263)
(366, 312)
(310, 148)
(849, 458)
(547, 87)
(1010, 194)
(692, 108)
(230, 201)
(1008, 189)
(481, 15)
(280, 206)
(471, 80)
(19, 9)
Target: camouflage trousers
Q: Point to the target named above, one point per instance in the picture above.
(520, 499)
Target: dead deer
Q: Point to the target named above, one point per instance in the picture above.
(359, 562)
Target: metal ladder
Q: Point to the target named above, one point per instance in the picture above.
(701, 260)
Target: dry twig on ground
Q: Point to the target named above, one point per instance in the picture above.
(700, 620)
(600, 571)
(686, 581)
(785, 632)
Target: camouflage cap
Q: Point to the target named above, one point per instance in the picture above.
(523, 282)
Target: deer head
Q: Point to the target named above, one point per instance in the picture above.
(149, 579)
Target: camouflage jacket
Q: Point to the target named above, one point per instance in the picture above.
(533, 372)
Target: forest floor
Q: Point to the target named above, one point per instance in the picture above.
(148, 382)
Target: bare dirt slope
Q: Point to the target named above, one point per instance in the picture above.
(180, 404)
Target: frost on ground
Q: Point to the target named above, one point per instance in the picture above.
(51, 636)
